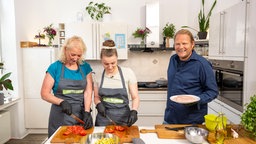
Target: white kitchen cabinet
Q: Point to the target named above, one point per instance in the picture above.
(5, 126)
(216, 106)
(94, 35)
(35, 63)
(152, 107)
(227, 33)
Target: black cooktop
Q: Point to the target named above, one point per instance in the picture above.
(151, 85)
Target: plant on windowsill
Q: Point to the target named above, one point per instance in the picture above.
(97, 10)
(6, 83)
(248, 118)
(168, 33)
(203, 21)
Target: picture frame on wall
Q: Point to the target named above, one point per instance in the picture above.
(62, 40)
(62, 33)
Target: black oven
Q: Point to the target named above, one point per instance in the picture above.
(229, 78)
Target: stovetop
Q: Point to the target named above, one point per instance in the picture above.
(151, 86)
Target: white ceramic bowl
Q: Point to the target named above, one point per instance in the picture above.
(196, 134)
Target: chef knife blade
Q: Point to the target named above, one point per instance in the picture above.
(77, 119)
(179, 128)
(174, 129)
(110, 120)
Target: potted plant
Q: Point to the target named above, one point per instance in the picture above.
(168, 33)
(248, 118)
(6, 83)
(141, 33)
(203, 21)
(97, 10)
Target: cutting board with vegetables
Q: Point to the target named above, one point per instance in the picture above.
(125, 134)
(164, 133)
(61, 135)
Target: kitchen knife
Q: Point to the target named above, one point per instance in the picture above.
(178, 128)
(110, 120)
(174, 129)
(77, 119)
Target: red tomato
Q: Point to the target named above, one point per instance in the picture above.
(109, 130)
(75, 129)
(119, 128)
(67, 132)
(83, 132)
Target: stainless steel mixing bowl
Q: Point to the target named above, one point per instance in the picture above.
(196, 134)
(92, 138)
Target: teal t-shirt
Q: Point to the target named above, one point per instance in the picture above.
(55, 71)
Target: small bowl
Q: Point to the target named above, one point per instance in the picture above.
(92, 138)
(211, 121)
(196, 134)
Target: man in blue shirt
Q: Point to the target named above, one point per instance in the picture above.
(188, 73)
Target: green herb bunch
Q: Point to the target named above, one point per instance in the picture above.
(248, 118)
(169, 30)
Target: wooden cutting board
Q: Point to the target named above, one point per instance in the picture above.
(127, 135)
(163, 133)
(72, 138)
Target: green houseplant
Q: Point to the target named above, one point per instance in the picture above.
(97, 10)
(203, 21)
(168, 33)
(169, 30)
(6, 83)
(248, 118)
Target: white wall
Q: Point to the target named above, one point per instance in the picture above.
(27, 17)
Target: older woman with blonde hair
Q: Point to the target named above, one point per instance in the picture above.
(67, 86)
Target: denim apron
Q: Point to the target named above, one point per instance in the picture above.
(71, 91)
(116, 103)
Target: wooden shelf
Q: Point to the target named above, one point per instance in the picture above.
(137, 47)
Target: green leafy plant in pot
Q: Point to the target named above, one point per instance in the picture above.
(168, 33)
(6, 83)
(97, 10)
(248, 118)
(203, 21)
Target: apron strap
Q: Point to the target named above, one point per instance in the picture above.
(121, 75)
(62, 71)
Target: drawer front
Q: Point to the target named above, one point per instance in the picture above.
(149, 120)
(152, 107)
(153, 95)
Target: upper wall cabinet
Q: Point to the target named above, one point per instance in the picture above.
(94, 34)
(227, 33)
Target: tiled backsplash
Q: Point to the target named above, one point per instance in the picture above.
(146, 66)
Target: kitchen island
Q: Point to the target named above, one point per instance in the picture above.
(148, 138)
(152, 138)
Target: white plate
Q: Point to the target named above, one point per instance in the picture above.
(185, 99)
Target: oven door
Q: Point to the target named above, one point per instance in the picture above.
(231, 88)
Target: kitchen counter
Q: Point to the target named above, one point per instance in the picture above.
(152, 89)
(148, 138)
(152, 138)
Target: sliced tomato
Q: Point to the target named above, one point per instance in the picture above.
(75, 129)
(109, 130)
(67, 132)
(83, 133)
(119, 128)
